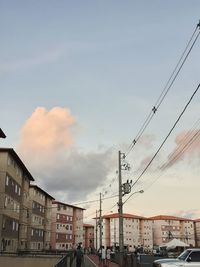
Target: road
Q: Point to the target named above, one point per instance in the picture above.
(93, 261)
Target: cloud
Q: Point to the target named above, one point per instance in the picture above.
(143, 153)
(47, 131)
(47, 147)
(191, 214)
(77, 174)
(187, 147)
(24, 63)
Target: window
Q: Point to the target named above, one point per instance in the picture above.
(58, 216)
(32, 232)
(195, 256)
(7, 180)
(16, 188)
(4, 223)
(9, 161)
(13, 225)
(6, 202)
(19, 191)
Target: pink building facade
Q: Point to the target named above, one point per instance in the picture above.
(67, 226)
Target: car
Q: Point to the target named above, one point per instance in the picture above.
(188, 258)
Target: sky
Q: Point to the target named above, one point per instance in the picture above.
(77, 81)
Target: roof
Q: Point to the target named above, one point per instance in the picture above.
(41, 190)
(65, 204)
(197, 220)
(125, 215)
(168, 217)
(2, 134)
(18, 160)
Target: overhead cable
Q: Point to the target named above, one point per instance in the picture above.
(145, 169)
(167, 87)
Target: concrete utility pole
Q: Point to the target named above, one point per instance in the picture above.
(100, 223)
(120, 210)
(124, 189)
(96, 231)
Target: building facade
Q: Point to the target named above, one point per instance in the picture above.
(88, 236)
(14, 201)
(165, 228)
(39, 219)
(67, 226)
(197, 232)
(137, 231)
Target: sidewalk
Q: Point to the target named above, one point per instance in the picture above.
(95, 259)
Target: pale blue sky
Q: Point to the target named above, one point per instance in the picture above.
(107, 61)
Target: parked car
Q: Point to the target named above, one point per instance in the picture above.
(188, 258)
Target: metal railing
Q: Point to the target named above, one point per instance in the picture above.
(66, 261)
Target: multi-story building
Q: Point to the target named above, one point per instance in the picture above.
(197, 232)
(165, 228)
(146, 233)
(14, 201)
(39, 219)
(137, 231)
(88, 236)
(67, 226)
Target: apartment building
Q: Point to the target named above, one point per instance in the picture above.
(67, 226)
(165, 228)
(39, 231)
(88, 236)
(14, 201)
(197, 232)
(146, 233)
(137, 231)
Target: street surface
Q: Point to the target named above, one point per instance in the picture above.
(93, 261)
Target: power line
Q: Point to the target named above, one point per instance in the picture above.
(184, 141)
(145, 169)
(167, 87)
(185, 147)
(49, 208)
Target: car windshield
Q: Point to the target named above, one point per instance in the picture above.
(184, 255)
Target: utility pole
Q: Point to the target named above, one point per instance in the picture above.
(124, 189)
(100, 223)
(120, 211)
(96, 230)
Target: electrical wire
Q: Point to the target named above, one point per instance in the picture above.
(176, 122)
(166, 89)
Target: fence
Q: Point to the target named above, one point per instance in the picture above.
(66, 261)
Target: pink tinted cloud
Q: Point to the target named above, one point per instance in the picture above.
(47, 131)
(187, 144)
